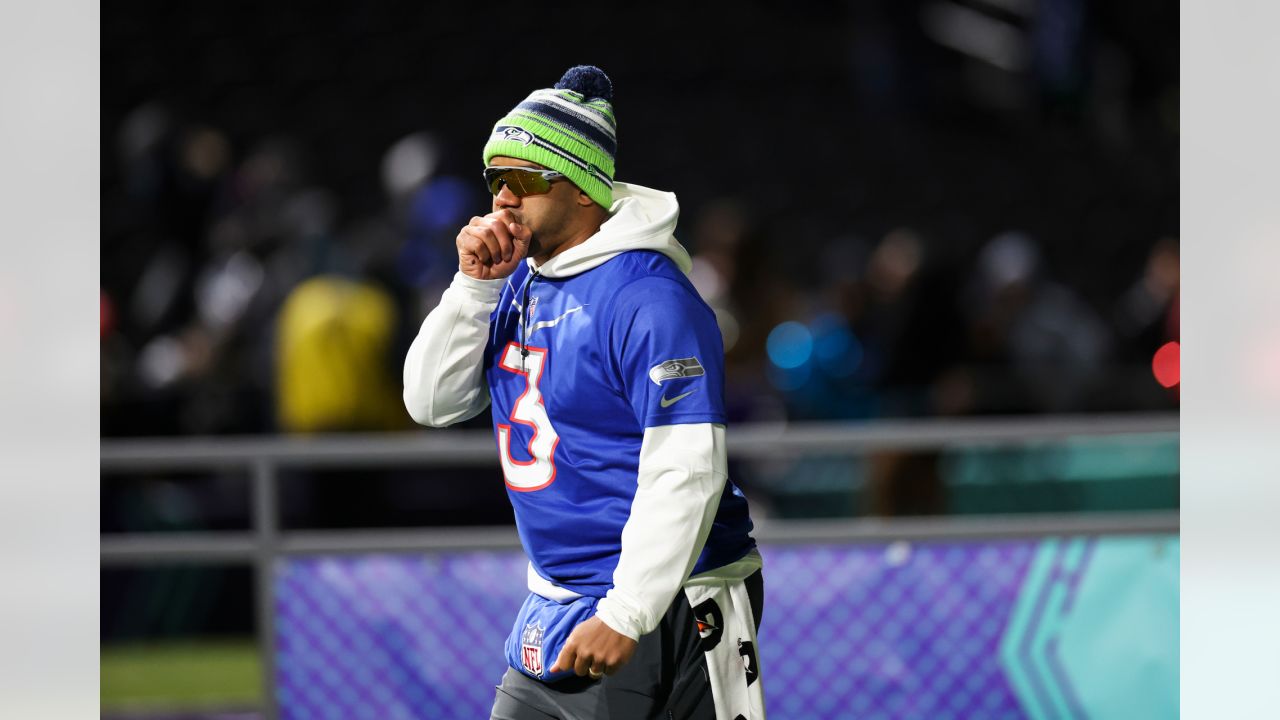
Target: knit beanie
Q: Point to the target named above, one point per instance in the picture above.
(569, 128)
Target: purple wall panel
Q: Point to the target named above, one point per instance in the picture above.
(897, 631)
(385, 636)
(869, 631)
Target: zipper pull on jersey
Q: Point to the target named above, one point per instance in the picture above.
(524, 323)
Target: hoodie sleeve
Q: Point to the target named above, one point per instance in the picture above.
(444, 369)
(683, 469)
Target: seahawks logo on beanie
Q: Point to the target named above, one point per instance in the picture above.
(569, 128)
(519, 135)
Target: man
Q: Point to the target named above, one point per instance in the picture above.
(572, 316)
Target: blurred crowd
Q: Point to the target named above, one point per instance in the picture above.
(234, 302)
(881, 329)
(911, 209)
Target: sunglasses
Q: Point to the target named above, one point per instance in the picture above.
(522, 180)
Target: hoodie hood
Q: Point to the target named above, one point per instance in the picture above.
(639, 219)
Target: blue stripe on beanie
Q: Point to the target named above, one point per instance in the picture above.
(573, 122)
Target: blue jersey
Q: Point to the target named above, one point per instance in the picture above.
(578, 368)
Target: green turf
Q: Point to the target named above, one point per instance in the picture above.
(185, 674)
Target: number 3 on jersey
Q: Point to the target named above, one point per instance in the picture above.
(535, 474)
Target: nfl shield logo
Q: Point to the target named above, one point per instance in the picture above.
(531, 648)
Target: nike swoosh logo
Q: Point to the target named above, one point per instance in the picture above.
(664, 402)
(552, 322)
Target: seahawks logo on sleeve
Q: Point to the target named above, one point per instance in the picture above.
(672, 369)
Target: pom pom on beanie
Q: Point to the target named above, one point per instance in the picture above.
(588, 81)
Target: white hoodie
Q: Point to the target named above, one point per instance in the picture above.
(676, 497)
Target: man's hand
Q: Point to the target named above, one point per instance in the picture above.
(491, 247)
(594, 648)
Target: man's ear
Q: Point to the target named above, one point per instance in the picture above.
(584, 199)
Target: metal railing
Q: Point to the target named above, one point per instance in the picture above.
(264, 544)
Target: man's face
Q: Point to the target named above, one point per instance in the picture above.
(547, 215)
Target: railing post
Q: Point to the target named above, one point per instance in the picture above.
(266, 536)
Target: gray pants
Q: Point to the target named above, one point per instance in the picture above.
(665, 679)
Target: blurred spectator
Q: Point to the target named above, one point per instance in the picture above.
(717, 240)
(334, 368)
(1051, 341)
(1146, 315)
